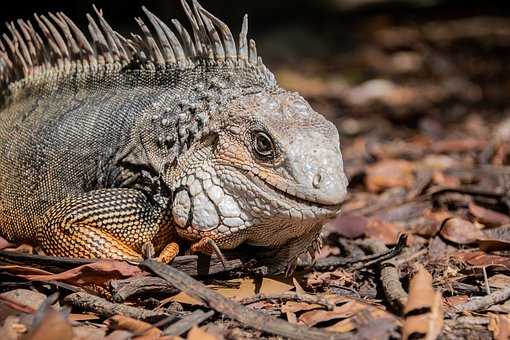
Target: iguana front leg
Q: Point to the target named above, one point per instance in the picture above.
(106, 223)
(287, 256)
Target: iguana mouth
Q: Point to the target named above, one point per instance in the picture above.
(332, 208)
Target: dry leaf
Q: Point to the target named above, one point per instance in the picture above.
(500, 326)
(487, 216)
(482, 259)
(15, 270)
(347, 310)
(12, 328)
(25, 297)
(52, 326)
(83, 317)
(496, 239)
(499, 281)
(248, 287)
(183, 298)
(383, 231)
(297, 306)
(424, 311)
(99, 273)
(350, 226)
(147, 331)
(197, 333)
(460, 231)
(389, 173)
(452, 301)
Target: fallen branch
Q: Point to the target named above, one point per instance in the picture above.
(392, 287)
(103, 308)
(233, 309)
(390, 278)
(484, 302)
(332, 262)
(307, 298)
(133, 286)
(186, 323)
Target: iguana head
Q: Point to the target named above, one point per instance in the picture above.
(268, 170)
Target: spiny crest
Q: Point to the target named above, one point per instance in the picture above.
(59, 45)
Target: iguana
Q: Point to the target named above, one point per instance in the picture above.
(109, 145)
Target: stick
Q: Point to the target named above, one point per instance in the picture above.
(124, 289)
(235, 310)
(186, 323)
(312, 299)
(333, 262)
(484, 302)
(390, 279)
(104, 308)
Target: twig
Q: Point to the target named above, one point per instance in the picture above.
(235, 310)
(392, 287)
(186, 323)
(390, 279)
(312, 299)
(124, 289)
(485, 301)
(331, 262)
(486, 280)
(104, 308)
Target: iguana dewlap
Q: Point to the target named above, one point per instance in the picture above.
(108, 144)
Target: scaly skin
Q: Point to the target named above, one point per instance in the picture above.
(111, 146)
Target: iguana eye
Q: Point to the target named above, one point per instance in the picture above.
(263, 145)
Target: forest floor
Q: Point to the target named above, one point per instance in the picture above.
(421, 249)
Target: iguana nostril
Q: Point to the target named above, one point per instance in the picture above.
(317, 179)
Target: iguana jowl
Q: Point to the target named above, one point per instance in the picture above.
(108, 143)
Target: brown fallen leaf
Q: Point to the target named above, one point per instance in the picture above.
(98, 273)
(197, 333)
(297, 306)
(499, 325)
(458, 145)
(12, 328)
(482, 259)
(488, 217)
(53, 325)
(452, 301)
(350, 226)
(389, 173)
(349, 308)
(423, 311)
(143, 329)
(384, 231)
(496, 239)
(25, 297)
(247, 287)
(83, 317)
(499, 281)
(460, 231)
(237, 289)
(24, 270)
